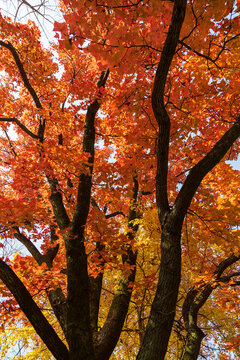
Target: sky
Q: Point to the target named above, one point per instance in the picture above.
(42, 12)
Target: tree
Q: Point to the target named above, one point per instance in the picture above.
(119, 153)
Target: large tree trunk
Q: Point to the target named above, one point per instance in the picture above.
(162, 313)
(78, 319)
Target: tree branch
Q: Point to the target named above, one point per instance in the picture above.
(201, 169)
(85, 180)
(33, 313)
(109, 334)
(78, 309)
(56, 200)
(30, 246)
(195, 299)
(23, 74)
(159, 109)
(115, 213)
(23, 127)
(56, 296)
(163, 308)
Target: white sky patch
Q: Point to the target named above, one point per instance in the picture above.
(43, 12)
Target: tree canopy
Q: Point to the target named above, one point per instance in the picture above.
(117, 179)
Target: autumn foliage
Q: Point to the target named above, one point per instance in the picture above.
(118, 145)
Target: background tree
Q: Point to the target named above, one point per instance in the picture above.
(113, 161)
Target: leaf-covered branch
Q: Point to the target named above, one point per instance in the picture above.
(202, 168)
(23, 73)
(56, 296)
(20, 125)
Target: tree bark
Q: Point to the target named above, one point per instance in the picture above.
(195, 299)
(193, 344)
(109, 334)
(33, 313)
(79, 331)
(162, 313)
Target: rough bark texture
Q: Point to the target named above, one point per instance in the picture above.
(162, 313)
(59, 306)
(79, 331)
(109, 334)
(193, 344)
(95, 294)
(159, 109)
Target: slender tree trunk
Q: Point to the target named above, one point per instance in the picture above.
(192, 348)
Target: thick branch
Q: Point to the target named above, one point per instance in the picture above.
(33, 313)
(78, 310)
(109, 334)
(202, 168)
(30, 246)
(85, 180)
(225, 264)
(23, 74)
(195, 299)
(40, 258)
(56, 200)
(56, 296)
(23, 127)
(159, 109)
(59, 306)
(95, 285)
(163, 308)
